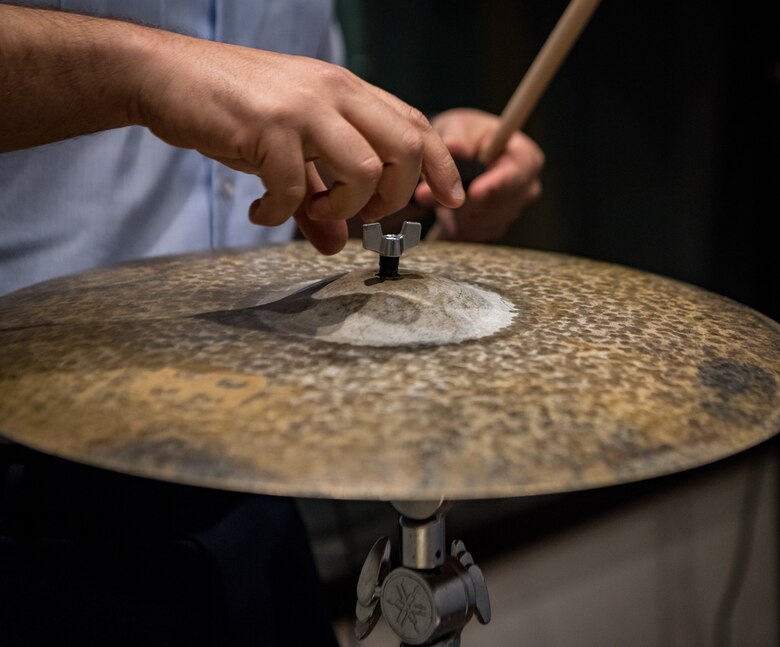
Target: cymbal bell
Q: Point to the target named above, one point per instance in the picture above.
(284, 372)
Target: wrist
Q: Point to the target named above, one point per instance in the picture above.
(135, 57)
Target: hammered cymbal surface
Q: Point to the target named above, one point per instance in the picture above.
(604, 375)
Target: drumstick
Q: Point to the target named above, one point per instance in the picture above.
(535, 82)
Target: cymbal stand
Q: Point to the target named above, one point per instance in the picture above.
(431, 596)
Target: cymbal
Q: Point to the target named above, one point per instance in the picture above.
(482, 372)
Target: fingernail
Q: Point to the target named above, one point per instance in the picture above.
(457, 191)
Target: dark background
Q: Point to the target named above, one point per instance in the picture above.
(660, 130)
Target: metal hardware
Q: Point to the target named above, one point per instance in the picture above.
(432, 596)
(390, 246)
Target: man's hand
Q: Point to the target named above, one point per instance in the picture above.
(495, 198)
(259, 112)
(275, 115)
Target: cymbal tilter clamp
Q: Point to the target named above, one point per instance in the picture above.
(431, 596)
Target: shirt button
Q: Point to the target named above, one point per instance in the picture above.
(227, 187)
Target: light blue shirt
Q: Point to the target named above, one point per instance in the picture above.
(124, 194)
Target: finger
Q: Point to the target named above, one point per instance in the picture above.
(236, 164)
(447, 221)
(397, 184)
(533, 193)
(441, 174)
(515, 169)
(469, 130)
(489, 219)
(459, 150)
(423, 196)
(282, 169)
(327, 236)
(400, 144)
(406, 125)
(459, 147)
(352, 163)
(505, 178)
(502, 178)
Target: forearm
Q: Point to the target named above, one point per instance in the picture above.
(268, 114)
(63, 75)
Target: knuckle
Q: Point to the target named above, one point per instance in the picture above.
(412, 143)
(294, 193)
(243, 145)
(419, 120)
(281, 115)
(528, 149)
(370, 169)
(534, 191)
(334, 75)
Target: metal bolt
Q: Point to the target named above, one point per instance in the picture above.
(390, 246)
